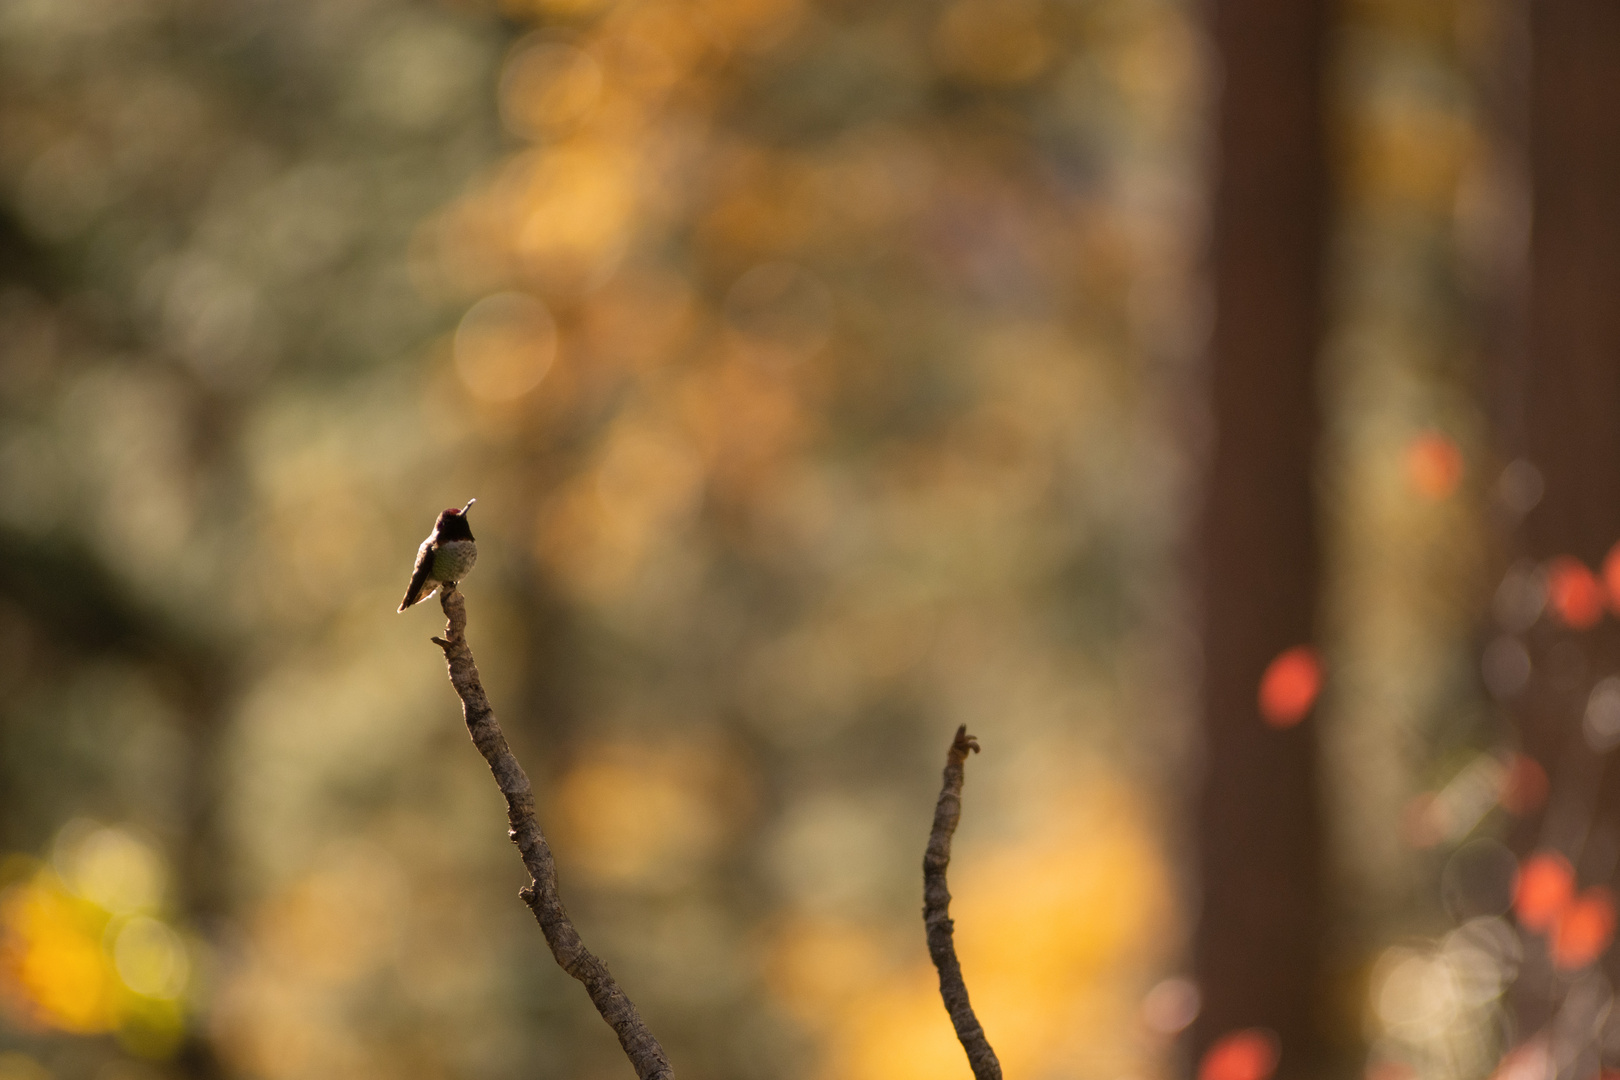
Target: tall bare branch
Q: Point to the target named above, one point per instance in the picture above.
(937, 913)
(541, 894)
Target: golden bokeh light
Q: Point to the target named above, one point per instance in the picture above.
(504, 346)
(151, 958)
(641, 490)
(83, 954)
(53, 957)
(110, 867)
(1044, 925)
(547, 87)
(994, 41)
(635, 816)
(572, 213)
(553, 8)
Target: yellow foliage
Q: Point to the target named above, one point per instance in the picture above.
(548, 87)
(1407, 153)
(71, 964)
(598, 529)
(632, 814)
(52, 952)
(1047, 928)
(993, 41)
(504, 346)
(573, 208)
(746, 23)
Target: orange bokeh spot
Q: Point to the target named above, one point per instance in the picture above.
(1573, 593)
(1611, 585)
(1584, 930)
(1434, 465)
(1289, 686)
(1250, 1054)
(1545, 888)
(1525, 790)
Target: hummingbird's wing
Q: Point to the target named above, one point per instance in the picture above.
(424, 563)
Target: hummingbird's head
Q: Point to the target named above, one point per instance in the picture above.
(453, 525)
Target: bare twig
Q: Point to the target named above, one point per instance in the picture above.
(937, 913)
(541, 893)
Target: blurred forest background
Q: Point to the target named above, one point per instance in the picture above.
(828, 374)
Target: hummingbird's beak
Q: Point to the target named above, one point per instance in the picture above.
(464, 509)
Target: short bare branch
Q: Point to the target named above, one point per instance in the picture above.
(541, 893)
(937, 913)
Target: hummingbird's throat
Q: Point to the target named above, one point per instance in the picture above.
(453, 559)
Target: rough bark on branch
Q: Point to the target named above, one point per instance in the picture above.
(937, 913)
(541, 894)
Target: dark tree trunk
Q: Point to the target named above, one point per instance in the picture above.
(1259, 949)
(1563, 415)
(1570, 400)
(1572, 389)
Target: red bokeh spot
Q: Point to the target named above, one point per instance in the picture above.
(1573, 593)
(1545, 888)
(1250, 1054)
(1611, 585)
(1434, 465)
(1289, 687)
(1525, 790)
(1584, 930)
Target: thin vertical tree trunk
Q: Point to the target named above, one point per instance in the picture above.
(1570, 403)
(1258, 948)
(1565, 412)
(1572, 389)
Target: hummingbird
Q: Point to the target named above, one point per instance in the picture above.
(444, 557)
